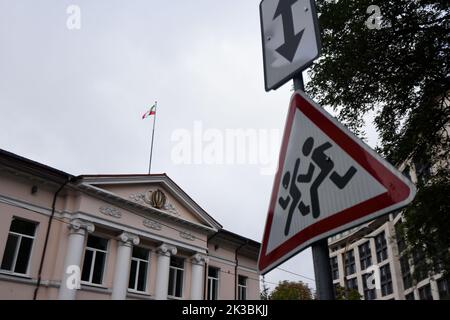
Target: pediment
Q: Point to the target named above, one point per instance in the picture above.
(158, 192)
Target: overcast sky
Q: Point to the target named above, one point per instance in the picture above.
(73, 99)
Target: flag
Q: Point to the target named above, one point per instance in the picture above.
(150, 112)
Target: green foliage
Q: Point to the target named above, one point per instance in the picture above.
(290, 290)
(352, 294)
(426, 227)
(400, 73)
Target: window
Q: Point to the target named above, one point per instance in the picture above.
(369, 294)
(213, 283)
(18, 247)
(350, 263)
(94, 260)
(242, 288)
(407, 172)
(176, 277)
(406, 272)
(410, 296)
(444, 292)
(381, 246)
(419, 260)
(365, 256)
(139, 269)
(336, 289)
(334, 268)
(386, 280)
(425, 292)
(401, 241)
(352, 283)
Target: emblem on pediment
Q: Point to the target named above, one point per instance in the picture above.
(154, 198)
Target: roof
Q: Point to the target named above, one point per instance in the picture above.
(142, 178)
(14, 161)
(21, 164)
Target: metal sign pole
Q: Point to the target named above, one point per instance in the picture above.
(322, 270)
(321, 257)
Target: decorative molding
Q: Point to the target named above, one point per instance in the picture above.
(80, 226)
(199, 259)
(187, 235)
(137, 197)
(170, 207)
(111, 211)
(127, 238)
(152, 224)
(166, 250)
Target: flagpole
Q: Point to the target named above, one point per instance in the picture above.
(153, 135)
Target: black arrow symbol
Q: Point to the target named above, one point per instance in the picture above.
(291, 40)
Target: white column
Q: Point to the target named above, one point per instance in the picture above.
(72, 262)
(197, 277)
(164, 252)
(123, 261)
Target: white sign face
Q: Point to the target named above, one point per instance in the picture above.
(327, 181)
(290, 39)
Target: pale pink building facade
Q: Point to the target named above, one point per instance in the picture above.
(113, 237)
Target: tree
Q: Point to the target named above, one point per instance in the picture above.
(352, 294)
(291, 290)
(400, 74)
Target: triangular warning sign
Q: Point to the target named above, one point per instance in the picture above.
(327, 181)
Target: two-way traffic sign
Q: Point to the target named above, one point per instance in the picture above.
(290, 38)
(327, 181)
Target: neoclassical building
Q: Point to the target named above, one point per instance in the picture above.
(113, 237)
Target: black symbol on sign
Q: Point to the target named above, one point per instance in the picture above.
(320, 160)
(291, 40)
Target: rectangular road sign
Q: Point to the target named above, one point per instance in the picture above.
(290, 39)
(328, 181)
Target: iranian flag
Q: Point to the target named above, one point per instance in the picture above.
(150, 112)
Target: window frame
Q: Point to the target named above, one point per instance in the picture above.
(350, 262)
(382, 252)
(105, 263)
(147, 271)
(176, 270)
(365, 256)
(16, 251)
(427, 290)
(386, 280)
(441, 282)
(211, 279)
(369, 294)
(405, 269)
(334, 267)
(242, 287)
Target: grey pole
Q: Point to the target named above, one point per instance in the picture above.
(322, 270)
(321, 257)
(153, 136)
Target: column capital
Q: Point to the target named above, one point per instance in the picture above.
(199, 258)
(166, 250)
(128, 239)
(79, 226)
